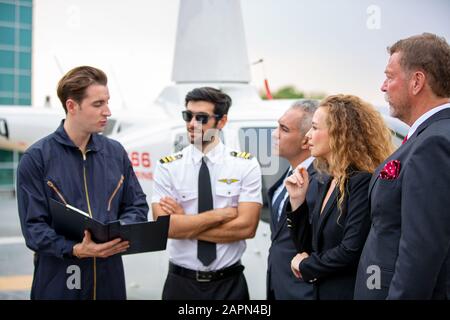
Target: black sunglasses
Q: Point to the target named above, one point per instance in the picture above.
(199, 117)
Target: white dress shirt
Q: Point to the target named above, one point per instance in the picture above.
(233, 180)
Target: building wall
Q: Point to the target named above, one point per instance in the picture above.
(15, 52)
(16, 20)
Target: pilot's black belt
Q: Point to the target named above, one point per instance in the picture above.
(207, 276)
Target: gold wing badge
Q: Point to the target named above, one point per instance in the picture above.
(228, 181)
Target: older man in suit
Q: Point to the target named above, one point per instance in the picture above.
(291, 144)
(406, 255)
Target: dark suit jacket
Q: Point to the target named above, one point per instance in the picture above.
(336, 240)
(409, 239)
(281, 282)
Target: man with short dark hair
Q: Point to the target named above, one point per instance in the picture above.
(213, 195)
(407, 252)
(291, 144)
(77, 166)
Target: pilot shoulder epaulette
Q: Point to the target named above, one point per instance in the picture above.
(169, 159)
(243, 155)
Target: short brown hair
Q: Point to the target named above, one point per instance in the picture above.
(74, 83)
(429, 53)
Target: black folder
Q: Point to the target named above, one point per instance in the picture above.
(145, 236)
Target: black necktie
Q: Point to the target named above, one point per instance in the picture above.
(278, 200)
(206, 251)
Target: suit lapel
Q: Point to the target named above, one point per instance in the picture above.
(311, 171)
(273, 222)
(331, 203)
(393, 156)
(376, 174)
(279, 224)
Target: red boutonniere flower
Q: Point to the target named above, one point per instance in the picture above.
(391, 170)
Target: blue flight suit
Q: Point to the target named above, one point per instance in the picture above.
(101, 182)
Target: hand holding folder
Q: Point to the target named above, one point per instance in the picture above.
(90, 249)
(71, 222)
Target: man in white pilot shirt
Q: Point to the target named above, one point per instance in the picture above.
(207, 244)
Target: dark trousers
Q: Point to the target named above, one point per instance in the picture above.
(178, 287)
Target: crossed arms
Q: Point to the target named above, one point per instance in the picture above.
(221, 225)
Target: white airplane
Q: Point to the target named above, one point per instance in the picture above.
(214, 56)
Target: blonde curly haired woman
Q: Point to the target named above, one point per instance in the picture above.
(349, 140)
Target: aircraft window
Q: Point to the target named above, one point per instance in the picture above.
(258, 141)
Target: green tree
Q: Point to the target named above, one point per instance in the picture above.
(291, 92)
(288, 92)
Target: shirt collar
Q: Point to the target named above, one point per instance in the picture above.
(214, 155)
(424, 117)
(62, 137)
(305, 164)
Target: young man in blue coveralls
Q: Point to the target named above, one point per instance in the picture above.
(76, 165)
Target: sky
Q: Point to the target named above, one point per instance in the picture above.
(331, 46)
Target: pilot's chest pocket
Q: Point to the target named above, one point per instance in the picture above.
(228, 195)
(187, 198)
